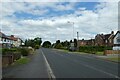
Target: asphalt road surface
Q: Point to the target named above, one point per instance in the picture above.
(49, 63)
(72, 65)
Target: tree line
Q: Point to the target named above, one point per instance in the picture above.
(35, 43)
(59, 45)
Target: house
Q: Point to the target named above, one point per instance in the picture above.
(104, 39)
(16, 42)
(5, 42)
(116, 40)
(83, 42)
(9, 41)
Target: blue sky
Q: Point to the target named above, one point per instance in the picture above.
(51, 12)
(48, 20)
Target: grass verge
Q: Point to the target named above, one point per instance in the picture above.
(99, 53)
(115, 59)
(23, 60)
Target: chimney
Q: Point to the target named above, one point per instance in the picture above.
(112, 32)
(12, 35)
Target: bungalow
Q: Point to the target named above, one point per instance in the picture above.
(116, 40)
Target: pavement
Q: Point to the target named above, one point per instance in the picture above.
(36, 68)
(47, 63)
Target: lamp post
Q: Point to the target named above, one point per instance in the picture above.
(73, 28)
(72, 44)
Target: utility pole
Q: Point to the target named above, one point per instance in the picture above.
(77, 40)
(72, 44)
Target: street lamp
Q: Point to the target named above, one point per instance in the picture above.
(72, 44)
(73, 28)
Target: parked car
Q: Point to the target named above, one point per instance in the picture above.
(72, 48)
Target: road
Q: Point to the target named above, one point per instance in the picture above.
(57, 64)
(69, 65)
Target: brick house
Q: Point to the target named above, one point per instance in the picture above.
(90, 42)
(104, 39)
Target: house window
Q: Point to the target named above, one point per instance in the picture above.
(4, 40)
(106, 41)
(118, 40)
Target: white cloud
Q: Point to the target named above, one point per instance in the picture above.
(101, 20)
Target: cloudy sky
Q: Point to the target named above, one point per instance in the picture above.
(49, 20)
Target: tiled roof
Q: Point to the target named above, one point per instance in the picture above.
(3, 35)
(13, 38)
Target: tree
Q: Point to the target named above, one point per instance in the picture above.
(75, 42)
(70, 41)
(59, 46)
(58, 41)
(46, 44)
(37, 41)
(33, 42)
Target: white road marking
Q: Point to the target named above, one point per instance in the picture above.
(52, 76)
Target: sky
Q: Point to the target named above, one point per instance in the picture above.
(58, 20)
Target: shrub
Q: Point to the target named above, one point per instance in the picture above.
(37, 46)
(6, 51)
(59, 46)
(24, 51)
(93, 49)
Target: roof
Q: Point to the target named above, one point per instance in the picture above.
(13, 38)
(107, 36)
(104, 37)
(3, 35)
(116, 33)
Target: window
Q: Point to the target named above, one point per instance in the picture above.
(118, 40)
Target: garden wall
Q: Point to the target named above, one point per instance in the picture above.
(106, 52)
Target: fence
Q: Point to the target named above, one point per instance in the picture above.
(9, 59)
(111, 52)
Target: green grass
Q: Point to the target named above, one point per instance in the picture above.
(115, 59)
(99, 53)
(23, 60)
(62, 50)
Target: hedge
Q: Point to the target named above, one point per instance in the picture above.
(22, 51)
(93, 49)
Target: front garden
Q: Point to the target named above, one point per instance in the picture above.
(12, 55)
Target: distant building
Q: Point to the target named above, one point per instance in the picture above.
(116, 40)
(104, 39)
(90, 42)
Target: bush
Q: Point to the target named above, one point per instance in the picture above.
(6, 51)
(93, 49)
(37, 46)
(59, 46)
(24, 51)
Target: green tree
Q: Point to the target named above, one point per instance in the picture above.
(37, 41)
(75, 42)
(46, 44)
(59, 46)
